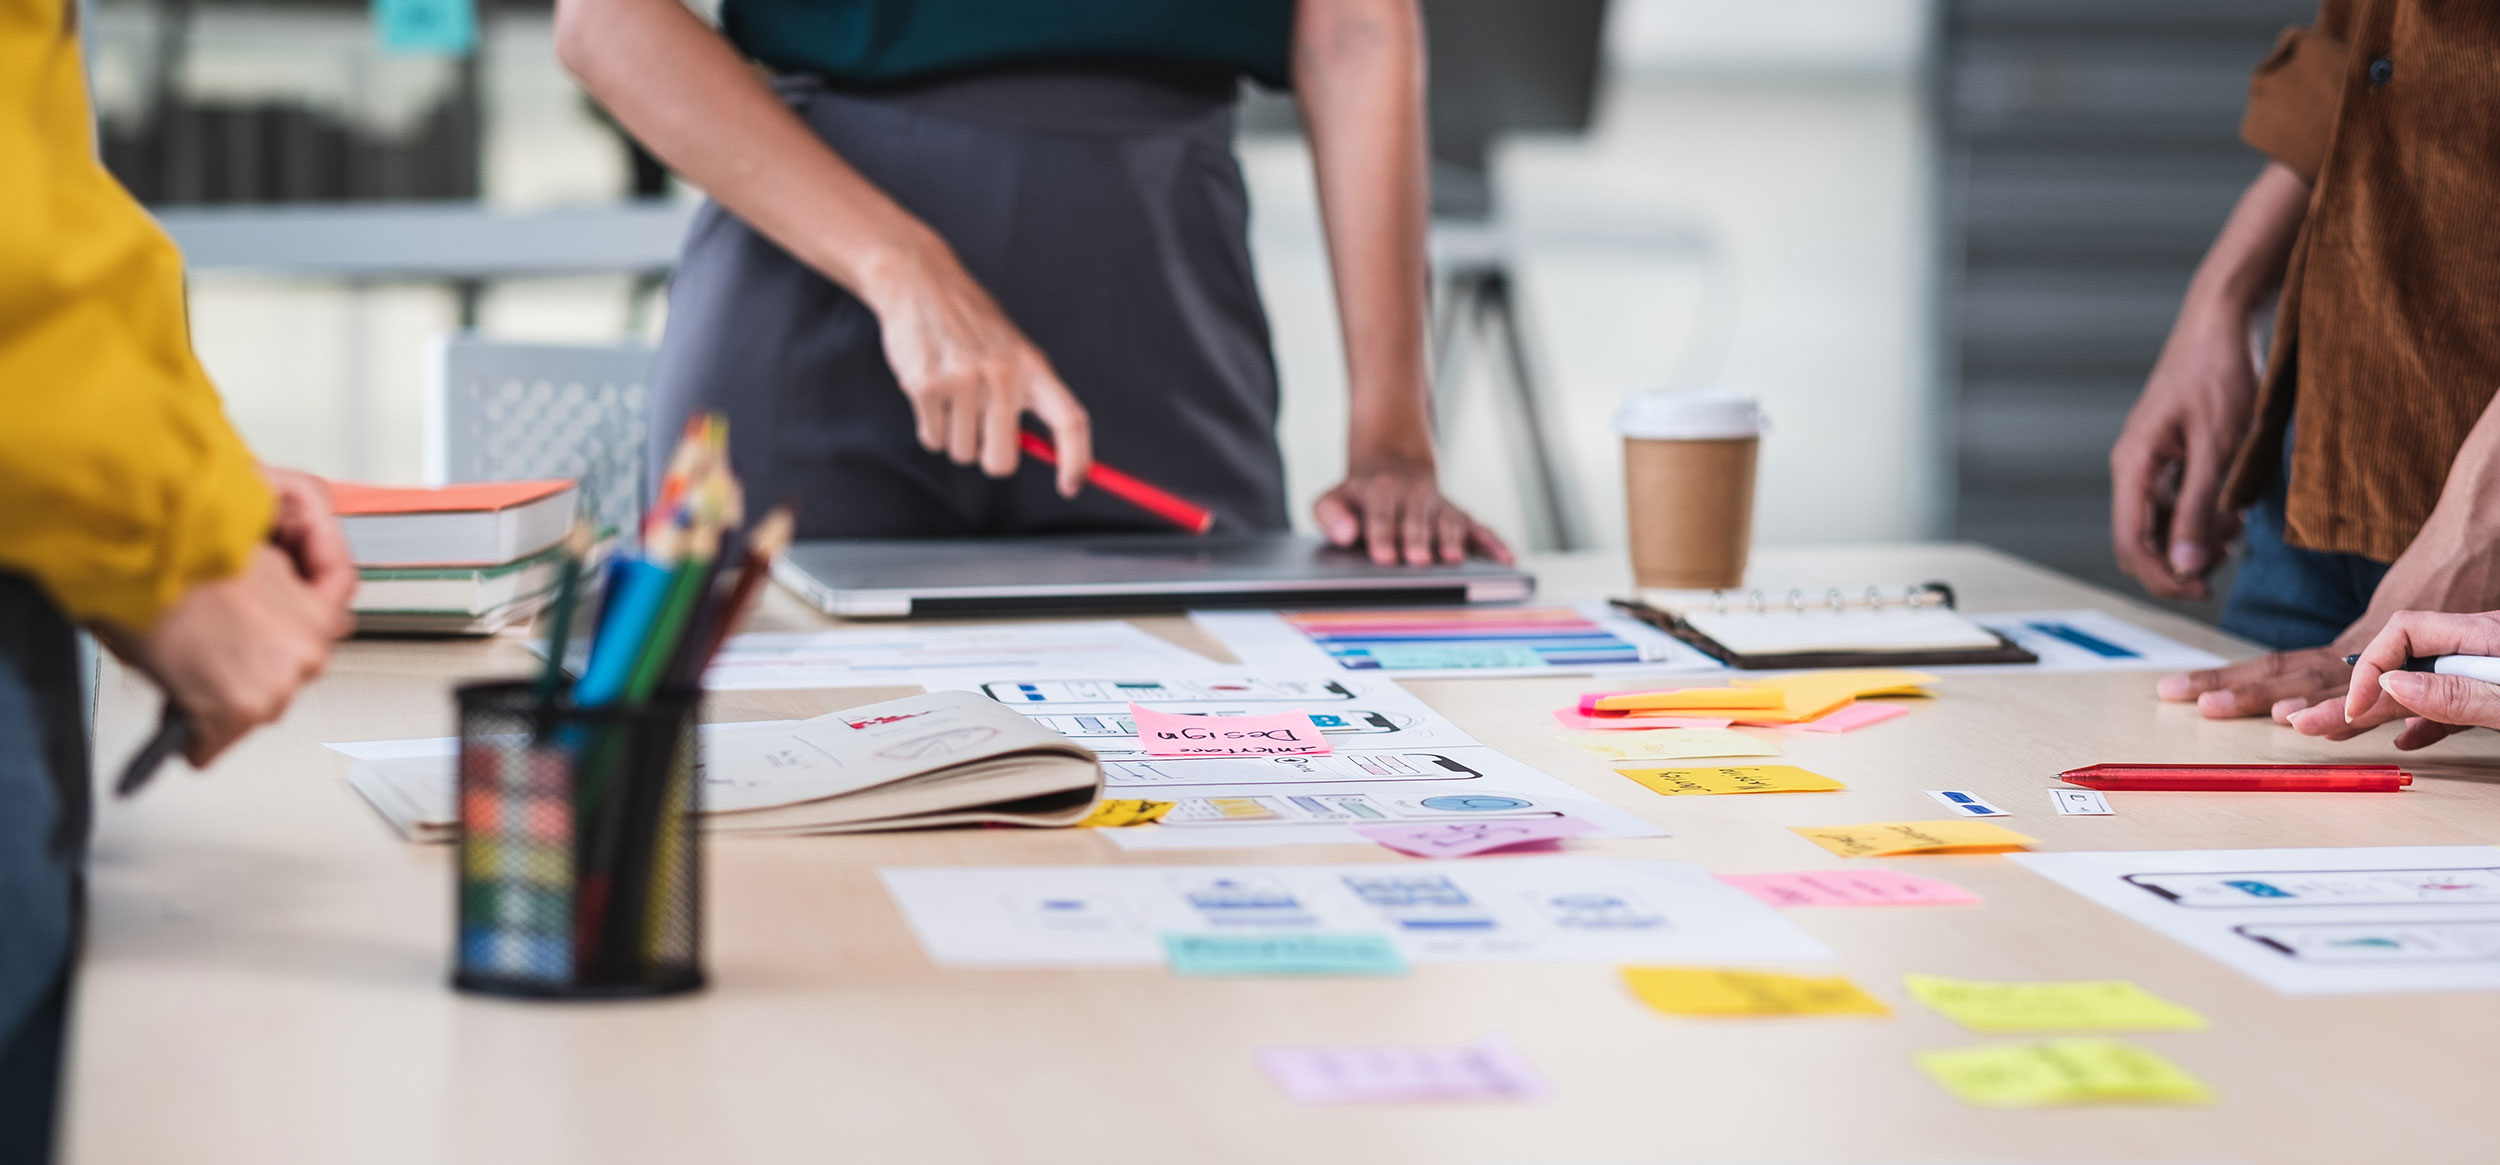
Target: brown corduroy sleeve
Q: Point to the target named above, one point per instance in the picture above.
(2293, 97)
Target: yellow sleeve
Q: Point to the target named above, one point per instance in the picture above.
(121, 483)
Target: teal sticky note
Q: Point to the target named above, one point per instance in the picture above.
(1422, 656)
(442, 27)
(1283, 954)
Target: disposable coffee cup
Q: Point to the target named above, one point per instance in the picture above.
(1688, 468)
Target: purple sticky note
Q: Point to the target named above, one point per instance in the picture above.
(1174, 734)
(1489, 1070)
(1457, 839)
(1868, 886)
(1574, 718)
(1855, 716)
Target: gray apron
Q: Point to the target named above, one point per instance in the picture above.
(1105, 212)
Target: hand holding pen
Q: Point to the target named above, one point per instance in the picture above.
(2417, 670)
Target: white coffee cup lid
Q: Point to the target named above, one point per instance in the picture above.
(1690, 416)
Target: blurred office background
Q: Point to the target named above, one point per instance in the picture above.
(1940, 239)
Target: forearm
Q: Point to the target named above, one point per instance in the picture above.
(2245, 265)
(685, 94)
(1359, 75)
(2453, 563)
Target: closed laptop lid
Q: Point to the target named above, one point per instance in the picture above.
(891, 578)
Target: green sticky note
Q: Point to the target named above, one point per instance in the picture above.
(1423, 656)
(2063, 1072)
(1283, 954)
(443, 27)
(2090, 1005)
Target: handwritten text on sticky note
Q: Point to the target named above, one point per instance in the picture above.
(1282, 734)
(1491, 1070)
(2099, 1004)
(1332, 953)
(1458, 839)
(2063, 1072)
(1732, 779)
(1859, 887)
(1884, 839)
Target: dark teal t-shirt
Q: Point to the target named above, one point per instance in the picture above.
(884, 42)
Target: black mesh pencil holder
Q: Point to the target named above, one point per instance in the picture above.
(581, 858)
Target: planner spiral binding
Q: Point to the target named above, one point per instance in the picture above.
(1929, 594)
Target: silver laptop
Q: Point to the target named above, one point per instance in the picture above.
(889, 579)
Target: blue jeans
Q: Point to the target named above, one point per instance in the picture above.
(2287, 597)
(43, 825)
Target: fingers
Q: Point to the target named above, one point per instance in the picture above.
(1452, 533)
(1403, 517)
(1415, 525)
(1380, 525)
(2445, 699)
(1490, 544)
(2192, 521)
(1001, 416)
(1071, 432)
(2133, 531)
(963, 424)
(2253, 687)
(2420, 732)
(1336, 519)
(2419, 633)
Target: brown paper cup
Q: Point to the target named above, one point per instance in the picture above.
(1690, 507)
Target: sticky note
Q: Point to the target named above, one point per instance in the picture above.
(1811, 695)
(1672, 744)
(1736, 779)
(1326, 953)
(1120, 814)
(1488, 1070)
(1458, 839)
(1724, 991)
(1914, 837)
(1864, 886)
(2079, 1071)
(444, 27)
(1850, 718)
(1173, 734)
(2084, 1005)
(1574, 718)
(1684, 700)
(1437, 656)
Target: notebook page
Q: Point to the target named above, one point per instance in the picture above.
(1780, 631)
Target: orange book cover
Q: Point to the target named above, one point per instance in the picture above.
(353, 500)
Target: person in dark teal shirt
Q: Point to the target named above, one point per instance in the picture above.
(933, 219)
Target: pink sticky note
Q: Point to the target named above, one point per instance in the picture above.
(1458, 839)
(1573, 718)
(1869, 886)
(1283, 734)
(1489, 1070)
(1855, 716)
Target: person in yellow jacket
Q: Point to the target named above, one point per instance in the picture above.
(127, 505)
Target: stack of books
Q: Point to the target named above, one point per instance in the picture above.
(467, 559)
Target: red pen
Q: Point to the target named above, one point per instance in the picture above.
(1178, 511)
(2249, 778)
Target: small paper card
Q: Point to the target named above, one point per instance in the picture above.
(1348, 953)
(1282, 734)
(1458, 839)
(1120, 814)
(1858, 887)
(2079, 1071)
(1734, 779)
(1851, 718)
(2090, 1005)
(1672, 744)
(1489, 1070)
(2081, 802)
(1574, 718)
(1724, 991)
(1914, 837)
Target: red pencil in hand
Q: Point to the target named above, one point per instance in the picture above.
(1178, 511)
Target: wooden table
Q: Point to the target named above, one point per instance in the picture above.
(265, 981)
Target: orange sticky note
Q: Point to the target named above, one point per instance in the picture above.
(1914, 837)
(1172, 734)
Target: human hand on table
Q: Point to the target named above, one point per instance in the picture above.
(970, 372)
(233, 652)
(2432, 706)
(1398, 513)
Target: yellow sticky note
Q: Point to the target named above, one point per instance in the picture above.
(1808, 695)
(1118, 814)
(1690, 700)
(1737, 779)
(1672, 743)
(2099, 1004)
(2083, 1071)
(1914, 837)
(1723, 991)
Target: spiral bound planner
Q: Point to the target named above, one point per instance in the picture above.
(1827, 627)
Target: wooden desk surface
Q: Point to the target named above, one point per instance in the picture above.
(265, 980)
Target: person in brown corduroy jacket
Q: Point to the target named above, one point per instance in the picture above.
(2356, 457)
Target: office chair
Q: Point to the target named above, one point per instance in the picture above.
(498, 411)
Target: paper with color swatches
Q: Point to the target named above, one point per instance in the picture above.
(2087, 1005)
(1488, 1070)
(1732, 779)
(2080, 1071)
(1890, 838)
(1865, 886)
(1726, 992)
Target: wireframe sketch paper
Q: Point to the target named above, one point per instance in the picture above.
(1534, 909)
(874, 657)
(2312, 921)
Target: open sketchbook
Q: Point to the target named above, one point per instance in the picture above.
(946, 758)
